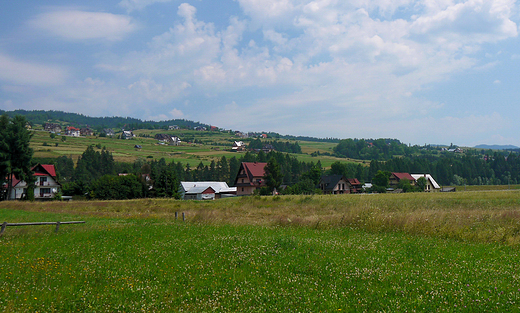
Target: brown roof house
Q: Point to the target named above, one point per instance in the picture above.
(395, 178)
(338, 184)
(250, 177)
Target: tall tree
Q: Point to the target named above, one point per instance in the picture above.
(16, 154)
(273, 175)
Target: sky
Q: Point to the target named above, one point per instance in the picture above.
(423, 72)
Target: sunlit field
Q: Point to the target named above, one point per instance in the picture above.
(350, 253)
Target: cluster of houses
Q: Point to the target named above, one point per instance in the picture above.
(70, 130)
(250, 177)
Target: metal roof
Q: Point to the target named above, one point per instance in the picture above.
(219, 187)
(428, 177)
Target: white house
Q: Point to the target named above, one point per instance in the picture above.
(45, 187)
(238, 146)
(431, 184)
(127, 134)
(206, 190)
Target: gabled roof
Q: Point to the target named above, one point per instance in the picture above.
(39, 170)
(254, 169)
(406, 176)
(354, 181)
(428, 177)
(44, 169)
(202, 189)
(199, 187)
(330, 181)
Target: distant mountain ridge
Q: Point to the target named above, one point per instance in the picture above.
(497, 147)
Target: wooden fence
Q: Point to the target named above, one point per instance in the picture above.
(5, 224)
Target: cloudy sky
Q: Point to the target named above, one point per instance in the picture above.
(423, 71)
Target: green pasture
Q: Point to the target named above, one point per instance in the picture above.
(374, 253)
(214, 146)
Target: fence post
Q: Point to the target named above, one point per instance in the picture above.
(176, 215)
(183, 218)
(4, 225)
(57, 226)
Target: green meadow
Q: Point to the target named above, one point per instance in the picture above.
(210, 146)
(453, 252)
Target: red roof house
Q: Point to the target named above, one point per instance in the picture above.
(45, 187)
(395, 178)
(250, 177)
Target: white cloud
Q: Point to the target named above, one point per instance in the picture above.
(30, 73)
(173, 114)
(82, 25)
(162, 93)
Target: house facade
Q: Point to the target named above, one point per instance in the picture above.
(72, 131)
(45, 188)
(250, 177)
(209, 190)
(431, 184)
(238, 146)
(334, 184)
(52, 127)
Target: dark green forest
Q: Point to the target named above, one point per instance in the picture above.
(129, 123)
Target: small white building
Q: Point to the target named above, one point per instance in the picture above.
(431, 184)
(206, 190)
(238, 146)
(127, 134)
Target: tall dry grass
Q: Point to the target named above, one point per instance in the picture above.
(473, 216)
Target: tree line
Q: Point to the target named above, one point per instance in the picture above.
(99, 123)
(97, 175)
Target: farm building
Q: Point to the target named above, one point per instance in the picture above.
(206, 190)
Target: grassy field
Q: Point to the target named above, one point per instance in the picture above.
(214, 146)
(355, 253)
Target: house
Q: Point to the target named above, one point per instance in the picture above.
(127, 134)
(250, 177)
(431, 184)
(108, 132)
(395, 178)
(46, 186)
(171, 140)
(355, 185)
(173, 127)
(200, 128)
(208, 190)
(72, 131)
(52, 127)
(238, 146)
(86, 132)
(336, 184)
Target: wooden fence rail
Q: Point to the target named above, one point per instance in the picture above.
(5, 224)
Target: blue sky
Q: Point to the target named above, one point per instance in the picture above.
(419, 71)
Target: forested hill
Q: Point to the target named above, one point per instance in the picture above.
(41, 117)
